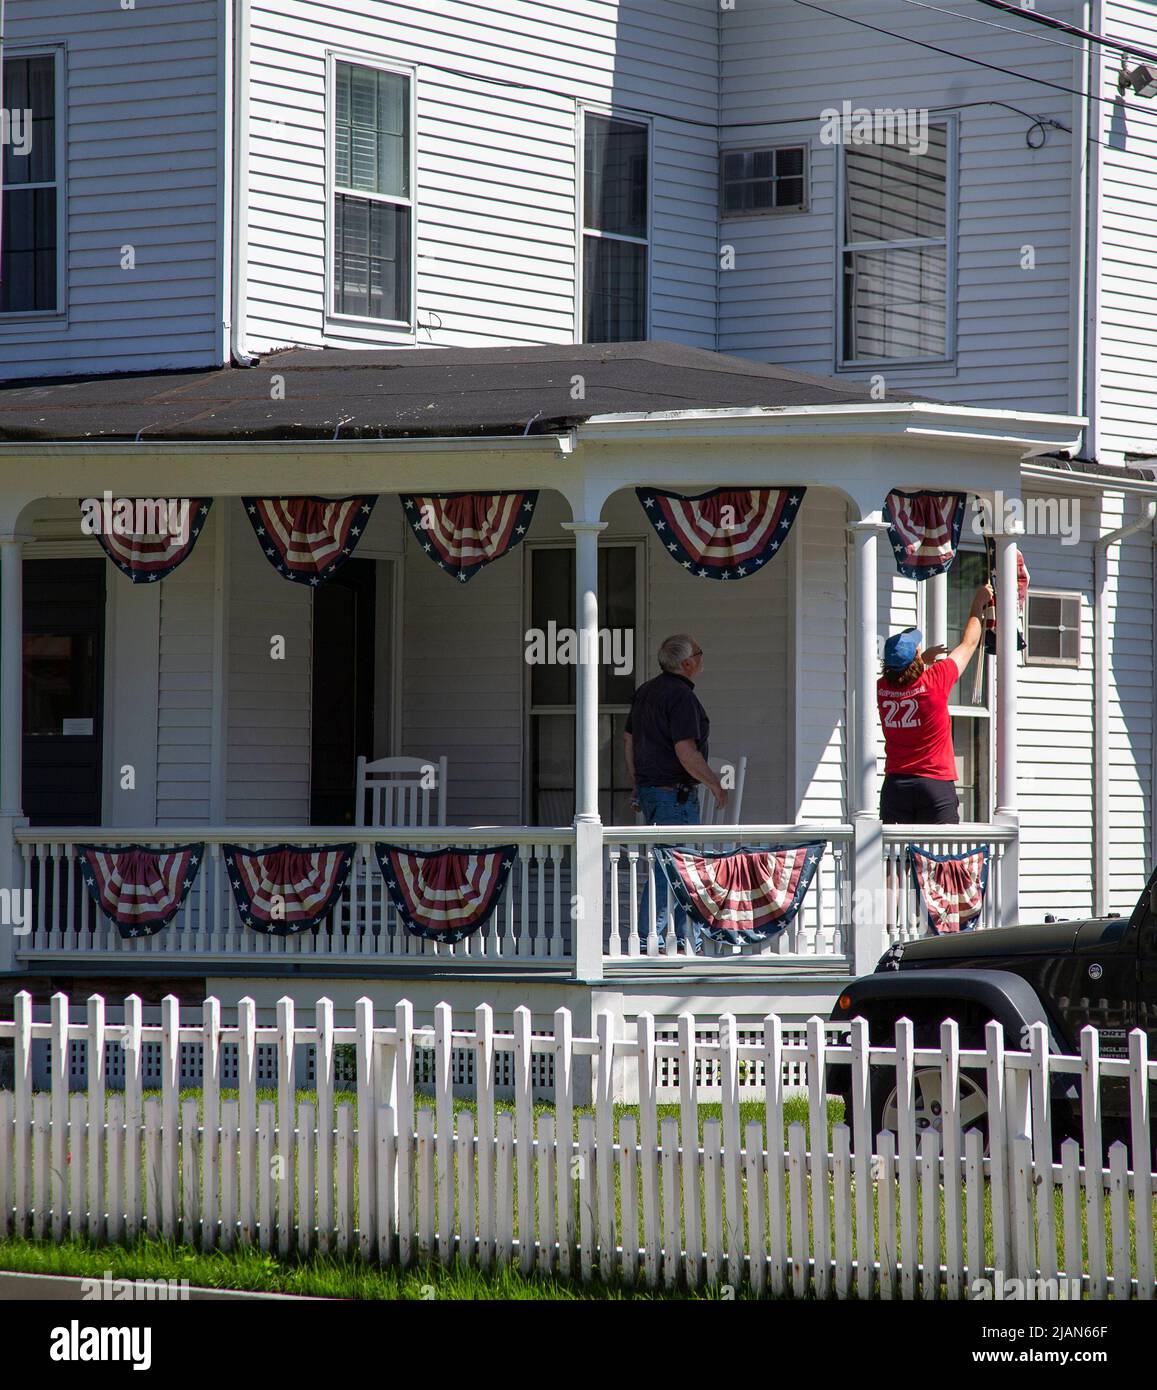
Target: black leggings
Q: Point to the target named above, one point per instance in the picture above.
(918, 801)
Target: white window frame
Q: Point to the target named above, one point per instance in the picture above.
(772, 146)
(390, 327)
(1055, 663)
(583, 110)
(949, 241)
(57, 53)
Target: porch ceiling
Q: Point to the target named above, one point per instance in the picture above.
(399, 394)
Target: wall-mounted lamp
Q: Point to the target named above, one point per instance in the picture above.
(1141, 79)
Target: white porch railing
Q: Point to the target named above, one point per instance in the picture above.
(822, 927)
(532, 924)
(904, 917)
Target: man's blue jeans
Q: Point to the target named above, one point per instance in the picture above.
(660, 806)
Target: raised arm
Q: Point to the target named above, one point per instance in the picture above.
(973, 629)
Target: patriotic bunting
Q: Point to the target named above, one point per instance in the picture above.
(924, 528)
(287, 888)
(951, 887)
(462, 532)
(728, 533)
(745, 897)
(445, 894)
(143, 554)
(1022, 580)
(308, 539)
(139, 889)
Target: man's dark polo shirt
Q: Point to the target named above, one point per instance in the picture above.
(664, 712)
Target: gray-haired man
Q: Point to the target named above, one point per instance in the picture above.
(666, 750)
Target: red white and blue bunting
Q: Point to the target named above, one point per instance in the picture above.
(308, 539)
(463, 532)
(951, 887)
(744, 897)
(1022, 583)
(924, 528)
(727, 533)
(445, 894)
(287, 888)
(139, 889)
(148, 556)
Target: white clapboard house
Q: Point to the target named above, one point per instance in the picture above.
(274, 249)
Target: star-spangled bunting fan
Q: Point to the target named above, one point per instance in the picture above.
(462, 532)
(308, 539)
(138, 888)
(287, 888)
(951, 886)
(149, 558)
(728, 533)
(743, 897)
(445, 894)
(924, 528)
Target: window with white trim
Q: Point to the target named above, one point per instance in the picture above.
(616, 229)
(895, 270)
(755, 183)
(1052, 629)
(373, 205)
(30, 240)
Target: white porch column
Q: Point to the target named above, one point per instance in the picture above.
(1006, 721)
(867, 943)
(11, 728)
(936, 616)
(587, 911)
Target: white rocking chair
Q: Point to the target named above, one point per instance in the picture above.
(402, 791)
(709, 813)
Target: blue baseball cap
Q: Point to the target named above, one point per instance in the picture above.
(900, 650)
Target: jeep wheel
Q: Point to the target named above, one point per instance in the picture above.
(928, 1110)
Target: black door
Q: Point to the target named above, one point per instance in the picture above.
(343, 690)
(63, 690)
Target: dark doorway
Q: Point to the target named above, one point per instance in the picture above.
(63, 691)
(343, 690)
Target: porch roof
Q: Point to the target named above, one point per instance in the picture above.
(402, 393)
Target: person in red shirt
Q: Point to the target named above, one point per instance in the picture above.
(912, 696)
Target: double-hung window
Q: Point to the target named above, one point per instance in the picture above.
(895, 255)
(30, 241)
(616, 229)
(373, 206)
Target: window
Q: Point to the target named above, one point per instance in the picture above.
(373, 206)
(895, 270)
(616, 219)
(552, 686)
(756, 182)
(1053, 629)
(971, 713)
(30, 267)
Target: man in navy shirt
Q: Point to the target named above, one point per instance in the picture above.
(666, 750)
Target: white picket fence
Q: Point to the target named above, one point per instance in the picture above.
(650, 1198)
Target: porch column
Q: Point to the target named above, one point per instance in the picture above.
(587, 908)
(11, 731)
(936, 615)
(867, 928)
(1006, 722)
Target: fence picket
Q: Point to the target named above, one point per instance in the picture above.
(286, 1103)
(930, 1213)
(1139, 1111)
(41, 1124)
(367, 1145)
(425, 1184)
(22, 1106)
(842, 1188)
(689, 1138)
(906, 1120)
(545, 1193)
(504, 1234)
(951, 1130)
(170, 1100)
(190, 1166)
(729, 1079)
(862, 1149)
(1070, 1196)
(604, 1141)
(266, 1125)
(974, 1205)
(466, 1186)
(484, 1083)
(1119, 1211)
(797, 1181)
(524, 1137)
(648, 1147)
(628, 1188)
(886, 1205)
(998, 1147)
(228, 1172)
(59, 1085)
(324, 1081)
(6, 1185)
(1042, 1135)
(773, 1121)
(154, 1168)
(306, 1175)
(587, 1196)
(247, 1118)
(1094, 1179)
(387, 1192)
(344, 1164)
(669, 1156)
(210, 1121)
(818, 1125)
(712, 1200)
(77, 1144)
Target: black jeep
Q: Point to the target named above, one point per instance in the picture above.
(1101, 971)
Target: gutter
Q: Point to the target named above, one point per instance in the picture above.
(1101, 805)
(1092, 239)
(237, 204)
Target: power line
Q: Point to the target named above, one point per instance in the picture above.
(992, 24)
(1066, 28)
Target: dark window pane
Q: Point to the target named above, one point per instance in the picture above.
(789, 162)
(615, 291)
(617, 610)
(59, 681)
(28, 268)
(30, 91)
(552, 600)
(762, 180)
(892, 195)
(371, 259)
(615, 176)
(895, 304)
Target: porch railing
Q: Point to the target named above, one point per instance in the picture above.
(532, 924)
(904, 916)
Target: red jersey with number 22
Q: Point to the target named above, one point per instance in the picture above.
(917, 729)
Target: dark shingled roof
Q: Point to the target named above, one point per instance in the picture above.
(396, 394)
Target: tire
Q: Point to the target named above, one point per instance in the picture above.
(973, 1105)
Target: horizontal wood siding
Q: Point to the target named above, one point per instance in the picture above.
(497, 183)
(143, 170)
(785, 64)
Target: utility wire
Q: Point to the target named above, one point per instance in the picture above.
(992, 24)
(1066, 28)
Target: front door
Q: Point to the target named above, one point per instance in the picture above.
(63, 691)
(343, 690)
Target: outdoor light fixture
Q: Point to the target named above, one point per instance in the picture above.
(1142, 79)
